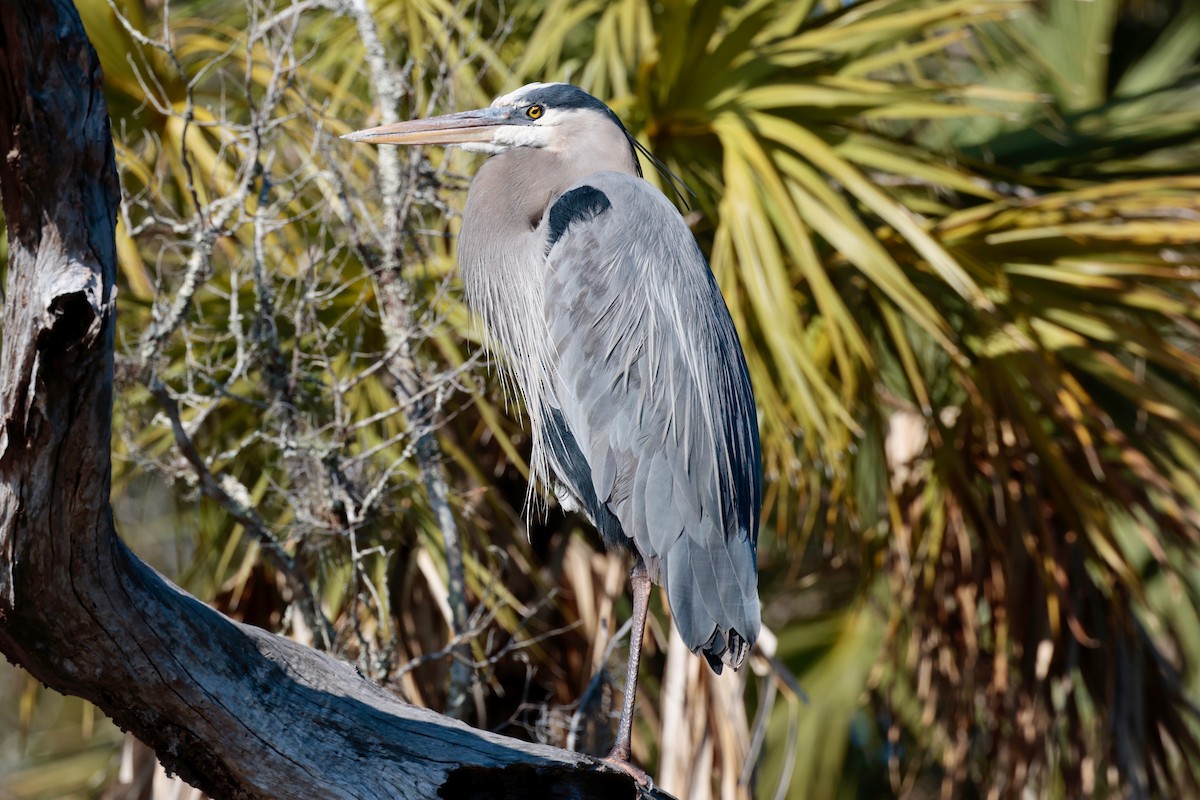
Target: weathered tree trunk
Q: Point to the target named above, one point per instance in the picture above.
(236, 711)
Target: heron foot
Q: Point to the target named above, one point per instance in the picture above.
(621, 761)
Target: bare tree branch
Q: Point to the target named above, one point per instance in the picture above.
(238, 505)
(234, 710)
(396, 310)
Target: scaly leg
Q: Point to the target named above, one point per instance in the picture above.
(639, 580)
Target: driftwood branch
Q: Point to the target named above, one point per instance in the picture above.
(234, 710)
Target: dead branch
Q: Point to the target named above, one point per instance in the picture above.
(397, 314)
(236, 711)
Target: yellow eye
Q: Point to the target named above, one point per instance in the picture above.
(534, 112)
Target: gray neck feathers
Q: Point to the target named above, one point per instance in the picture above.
(501, 253)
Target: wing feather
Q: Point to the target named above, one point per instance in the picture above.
(650, 380)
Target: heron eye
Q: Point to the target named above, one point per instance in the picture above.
(534, 112)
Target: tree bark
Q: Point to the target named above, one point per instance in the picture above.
(234, 710)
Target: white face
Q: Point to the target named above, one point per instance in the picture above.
(535, 128)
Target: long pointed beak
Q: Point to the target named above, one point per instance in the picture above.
(465, 126)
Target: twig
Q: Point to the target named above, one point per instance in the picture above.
(241, 510)
(397, 317)
(591, 693)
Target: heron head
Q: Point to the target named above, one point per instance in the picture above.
(556, 116)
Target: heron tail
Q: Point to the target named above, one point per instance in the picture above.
(724, 648)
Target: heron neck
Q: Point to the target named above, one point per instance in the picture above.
(498, 254)
(502, 248)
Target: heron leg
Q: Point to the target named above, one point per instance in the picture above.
(639, 580)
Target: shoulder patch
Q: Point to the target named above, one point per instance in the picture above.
(578, 205)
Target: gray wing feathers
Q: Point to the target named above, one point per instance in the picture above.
(651, 381)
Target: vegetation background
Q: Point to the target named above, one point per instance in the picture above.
(959, 240)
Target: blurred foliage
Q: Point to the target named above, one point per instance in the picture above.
(39, 729)
(959, 241)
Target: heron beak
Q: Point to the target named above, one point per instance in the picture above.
(460, 128)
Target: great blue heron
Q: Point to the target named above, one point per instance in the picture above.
(614, 331)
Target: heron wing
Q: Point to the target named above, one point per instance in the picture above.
(654, 427)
